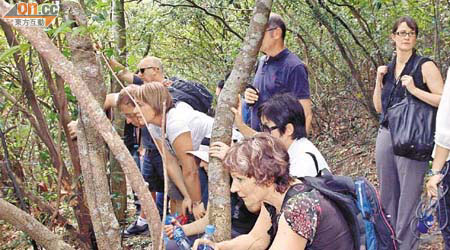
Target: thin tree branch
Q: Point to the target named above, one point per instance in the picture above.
(349, 30)
(32, 100)
(365, 27)
(196, 6)
(17, 189)
(7, 164)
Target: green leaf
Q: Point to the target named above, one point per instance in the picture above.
(109, 52)
(64, 28)
(9, 52)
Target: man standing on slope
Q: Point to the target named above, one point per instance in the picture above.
(279, 71)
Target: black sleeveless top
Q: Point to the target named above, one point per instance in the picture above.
(398, 93)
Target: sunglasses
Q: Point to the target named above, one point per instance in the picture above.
(267, 129)
(142, 70)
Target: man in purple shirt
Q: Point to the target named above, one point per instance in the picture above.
(279, 71)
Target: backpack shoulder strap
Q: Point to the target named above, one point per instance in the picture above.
(292, 191)
(315, 162)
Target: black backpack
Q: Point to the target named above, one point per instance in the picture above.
(192, 93)
(359, 202)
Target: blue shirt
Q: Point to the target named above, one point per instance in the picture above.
(282, 73)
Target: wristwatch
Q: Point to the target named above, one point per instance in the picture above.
(433, 172)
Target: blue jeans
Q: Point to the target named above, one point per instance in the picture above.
(134, 152)
(152, 170)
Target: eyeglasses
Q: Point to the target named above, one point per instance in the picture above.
(142, 70)
(404, 33)
(267, 129)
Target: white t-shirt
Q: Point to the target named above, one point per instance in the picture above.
(442, 136)
(302, 164)
(183, 118)
(443, 116)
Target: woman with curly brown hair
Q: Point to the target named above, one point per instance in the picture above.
(303, 219)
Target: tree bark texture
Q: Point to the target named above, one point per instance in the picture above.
(80, 208)
(31, 226)
(218, 183)
(118, 180)
(40, 41)
(119, 29)
(93, 153)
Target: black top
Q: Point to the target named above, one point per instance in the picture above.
(398, 93)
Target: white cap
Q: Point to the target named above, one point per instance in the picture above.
(201, 153)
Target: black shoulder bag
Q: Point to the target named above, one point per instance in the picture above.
(412, 124)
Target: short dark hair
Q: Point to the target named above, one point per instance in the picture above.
(222, 82)
(282, 109)
(409, 21)
(275, 20)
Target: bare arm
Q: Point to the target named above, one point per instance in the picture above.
(181, 145)
(122, 73)
(239, 123)
(256, 239)
(173, 170)
(196, 227)
(440, 156)
(433, 79)
(306, 104)
(381, 71)
(286, 238)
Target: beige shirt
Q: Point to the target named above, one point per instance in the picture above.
(442, 137)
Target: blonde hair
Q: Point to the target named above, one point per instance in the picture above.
(124, 97)
(155, 94)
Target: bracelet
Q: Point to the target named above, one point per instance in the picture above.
(433, 172)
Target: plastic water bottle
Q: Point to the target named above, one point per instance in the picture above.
(209, 235)
(181, 239)
(167, 222)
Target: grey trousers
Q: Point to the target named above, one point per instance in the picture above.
(401, 184)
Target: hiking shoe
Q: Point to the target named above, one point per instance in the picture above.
(135, 229)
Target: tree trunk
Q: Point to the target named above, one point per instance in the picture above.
(40, 41)
(91, 146)
(31, 226)
(218, 182)
(81, 211)
(117, 179)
